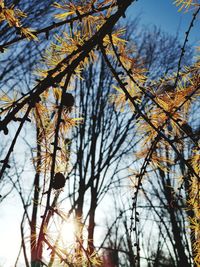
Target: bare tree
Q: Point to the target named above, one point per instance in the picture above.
(155, 113)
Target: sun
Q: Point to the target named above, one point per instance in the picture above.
(68, 232)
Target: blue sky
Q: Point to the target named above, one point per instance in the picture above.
(164, 14)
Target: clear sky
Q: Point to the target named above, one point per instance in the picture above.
(165, 15)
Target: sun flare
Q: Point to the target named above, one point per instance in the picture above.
(68, 232)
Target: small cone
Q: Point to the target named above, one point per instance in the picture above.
(68, 100)
(58, 181)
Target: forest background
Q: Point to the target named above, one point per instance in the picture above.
(121, 126)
